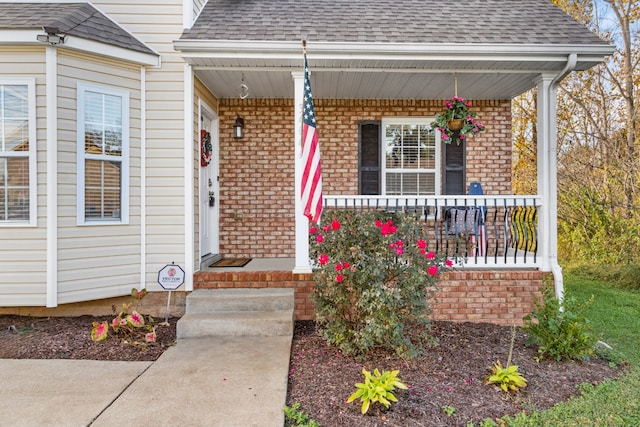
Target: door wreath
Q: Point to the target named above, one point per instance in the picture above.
(205, 148)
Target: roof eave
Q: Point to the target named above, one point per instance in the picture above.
(29, 37)
(391, 51)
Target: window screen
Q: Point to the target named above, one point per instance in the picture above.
(410, 162)
(102, 175)
(14, 153)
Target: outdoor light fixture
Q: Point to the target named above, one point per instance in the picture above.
(237, 127)
(53, 36)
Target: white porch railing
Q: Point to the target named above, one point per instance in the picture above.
(486, 231)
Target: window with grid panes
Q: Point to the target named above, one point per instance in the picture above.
(103, 144)
(17, 152)
(411, 157)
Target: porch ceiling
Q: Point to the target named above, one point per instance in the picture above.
(401, 71)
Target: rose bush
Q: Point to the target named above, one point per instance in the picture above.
(373, 280)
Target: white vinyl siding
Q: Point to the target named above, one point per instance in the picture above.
(96, 259)
(18, 189)
(23, 245)
(158, 25)
(103, 154)
(411, 162)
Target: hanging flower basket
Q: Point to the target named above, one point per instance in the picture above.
(455, 124)
(456, 121)
(205, 148)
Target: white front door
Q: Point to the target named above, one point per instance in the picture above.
(209, 184)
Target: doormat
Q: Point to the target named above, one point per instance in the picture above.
(231, 262)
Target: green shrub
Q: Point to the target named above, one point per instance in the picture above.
(560, 332)
(373, 281)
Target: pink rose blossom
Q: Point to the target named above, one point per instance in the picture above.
(338, 267)
(319, 238)
(326, 228)
(323, 259)
(449, 263)
(430, 255)
(335, 225)
(313, 230)
(339, 278)
(422, 244)
(433, 270)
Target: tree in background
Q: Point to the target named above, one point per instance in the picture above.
(598, 146)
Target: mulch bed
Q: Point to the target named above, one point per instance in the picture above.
(23, 337)
(451, 374)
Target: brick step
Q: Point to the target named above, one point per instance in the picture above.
(238, 299)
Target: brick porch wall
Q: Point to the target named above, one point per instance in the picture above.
(257, 171)
(500, 297)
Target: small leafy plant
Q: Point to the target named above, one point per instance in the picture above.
(560, 330)
(508, 377)
(128, 323)
(449, 411)
(377, 388)
(295, 417)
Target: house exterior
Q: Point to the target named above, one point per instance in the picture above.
(105, 106)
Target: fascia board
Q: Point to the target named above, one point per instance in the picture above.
(104, 49)
(29, 37)
(391, 51)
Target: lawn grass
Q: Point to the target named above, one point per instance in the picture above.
(615, 316)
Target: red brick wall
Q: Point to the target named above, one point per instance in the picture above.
(500, 297)
(257, 172)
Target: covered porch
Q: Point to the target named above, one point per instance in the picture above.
(365, 87)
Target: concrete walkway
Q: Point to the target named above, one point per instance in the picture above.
(214, 381)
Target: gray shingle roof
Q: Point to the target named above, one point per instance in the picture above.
(74, 19)
(390, 21)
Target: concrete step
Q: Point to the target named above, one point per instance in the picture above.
(238, 312)
(231, 300)
(239, 323)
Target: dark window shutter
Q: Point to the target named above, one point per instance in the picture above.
(454, 168)
(369, 158)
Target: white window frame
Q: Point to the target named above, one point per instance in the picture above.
(82, 89)
(31, 153)
(422, 121)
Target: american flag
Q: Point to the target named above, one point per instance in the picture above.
(312, 174)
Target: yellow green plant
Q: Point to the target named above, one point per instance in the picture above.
(377, 388)
(508, 378)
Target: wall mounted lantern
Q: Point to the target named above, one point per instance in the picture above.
(238, 127)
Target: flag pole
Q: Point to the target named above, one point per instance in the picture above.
(304, 63)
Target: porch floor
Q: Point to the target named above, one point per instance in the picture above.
(257, 264)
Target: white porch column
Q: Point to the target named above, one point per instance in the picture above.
(301, 222)
(51, 82)
(548, 180)
(546, 156)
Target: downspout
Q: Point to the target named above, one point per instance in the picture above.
(556, 270)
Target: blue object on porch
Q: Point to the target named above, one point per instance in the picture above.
(475, 189)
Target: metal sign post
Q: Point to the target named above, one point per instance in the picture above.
(170, 277)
